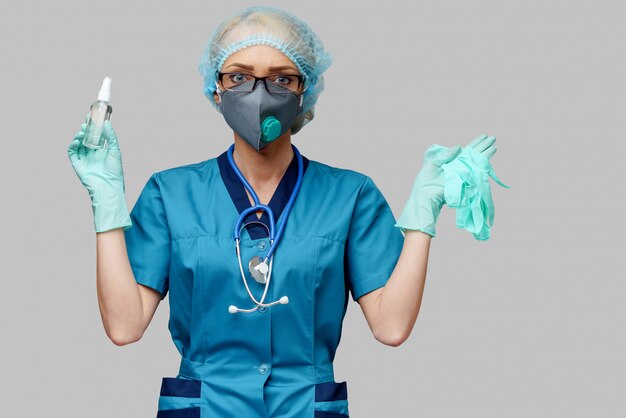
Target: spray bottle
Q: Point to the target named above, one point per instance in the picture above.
(100, 111)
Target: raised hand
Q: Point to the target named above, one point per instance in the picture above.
(427, 195)
(102, 174)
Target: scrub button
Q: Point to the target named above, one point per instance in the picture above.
(262, 309)
(261, 245)
(263, 368)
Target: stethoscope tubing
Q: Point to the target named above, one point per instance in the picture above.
(273, 236)
(267, 284)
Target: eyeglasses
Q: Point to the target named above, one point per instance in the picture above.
(275, 83)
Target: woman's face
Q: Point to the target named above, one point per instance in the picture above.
(258, 60)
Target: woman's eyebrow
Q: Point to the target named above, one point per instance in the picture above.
(251, 67)
(282, 67)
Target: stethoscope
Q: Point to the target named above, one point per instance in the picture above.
(259, 268)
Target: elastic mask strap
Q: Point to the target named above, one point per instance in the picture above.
(301, 99)
(218, 90)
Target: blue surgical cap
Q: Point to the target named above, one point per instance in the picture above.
(266, 25)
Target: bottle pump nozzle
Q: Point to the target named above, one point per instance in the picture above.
(105, 91)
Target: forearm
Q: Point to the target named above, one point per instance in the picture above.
(399, 302)
(119, 298)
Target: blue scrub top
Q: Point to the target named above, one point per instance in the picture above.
(277, 361)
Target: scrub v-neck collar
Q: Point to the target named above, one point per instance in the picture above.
(279, 199)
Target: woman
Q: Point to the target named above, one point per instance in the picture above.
(262, 70)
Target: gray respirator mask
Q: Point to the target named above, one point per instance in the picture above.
(259, 116)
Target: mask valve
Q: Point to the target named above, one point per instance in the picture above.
(270, 129)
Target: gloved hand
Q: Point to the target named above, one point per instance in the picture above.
(427, 196)
(101, 172)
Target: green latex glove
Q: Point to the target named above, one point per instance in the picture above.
(101, 172)
(427, 196)
(467, 186)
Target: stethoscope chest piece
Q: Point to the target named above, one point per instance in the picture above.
(258, 269)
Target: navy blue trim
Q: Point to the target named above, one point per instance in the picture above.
(279, 199)
(186, 388)
(329, 414)
(193, 412)
(331, 391)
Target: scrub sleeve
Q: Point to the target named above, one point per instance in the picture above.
(148, 239)
(373, 244)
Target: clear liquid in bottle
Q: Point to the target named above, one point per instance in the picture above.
(100, 111)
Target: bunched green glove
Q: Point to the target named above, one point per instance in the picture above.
(101, 172)
(467, 186)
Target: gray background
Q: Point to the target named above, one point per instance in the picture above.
(529, 323)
